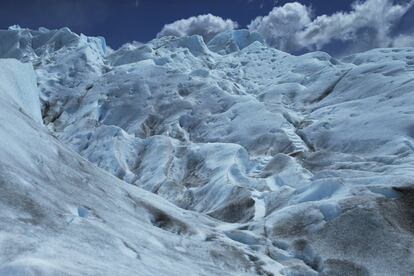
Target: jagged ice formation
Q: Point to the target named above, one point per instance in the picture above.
(176, 157)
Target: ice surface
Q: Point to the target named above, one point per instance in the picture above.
(230, 158)
(233, 41)
(18, 87)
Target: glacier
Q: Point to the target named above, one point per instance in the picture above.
(225, 158)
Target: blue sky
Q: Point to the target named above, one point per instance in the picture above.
(121, 21)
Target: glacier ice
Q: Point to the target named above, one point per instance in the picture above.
(232, 41)
(18, 88)
(230, 158)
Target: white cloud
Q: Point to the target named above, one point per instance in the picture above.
(206, 25)
(292, 27)
(403, 41)
(281, 25)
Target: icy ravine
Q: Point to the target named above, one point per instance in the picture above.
(296, 165)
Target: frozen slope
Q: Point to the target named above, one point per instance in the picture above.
(292, 165)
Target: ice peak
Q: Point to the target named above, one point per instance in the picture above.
(232, 41)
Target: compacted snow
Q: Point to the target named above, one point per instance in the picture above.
(176, 157)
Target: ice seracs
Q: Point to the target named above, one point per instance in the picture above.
(232, 41)
(267, 163)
